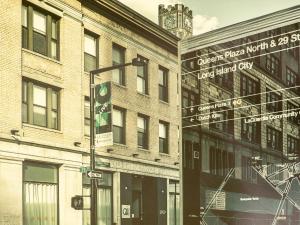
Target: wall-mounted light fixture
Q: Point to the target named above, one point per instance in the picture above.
(135, 154)
(109, 150)
(77, 143)
(14, 132)
(176, 163)
(157, 159)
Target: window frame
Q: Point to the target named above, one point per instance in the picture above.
(121, 71)
(273, 65)
(290, 108)
(144, 77)
(145, 134)
(274, 133)
(123, 128)
(39, 163)
(292, 140)
(95, 37)
(28, 41)
(48, 109)
(86, 117)
(273, 101)
(165, 140)
(163, 88)
(246, 84)
(289, 75)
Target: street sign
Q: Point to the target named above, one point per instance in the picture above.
(85, 169)
(102, 164)
(77, 202)
(94, 175)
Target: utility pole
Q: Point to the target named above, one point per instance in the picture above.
(93, 206)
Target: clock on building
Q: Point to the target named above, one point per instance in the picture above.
(170, 21)
(188, 23)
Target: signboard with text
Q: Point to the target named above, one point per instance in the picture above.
(103, 115)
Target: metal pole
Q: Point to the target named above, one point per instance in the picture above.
(92, 153)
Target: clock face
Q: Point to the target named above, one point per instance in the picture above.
(188, 23)
(170, 21)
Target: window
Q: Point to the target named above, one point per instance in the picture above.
(163, 84)
(274, 103)
(119, 125)
(224, 80)
(104, 199)
(247, 173)
(174, 202)
(189, 99)
(40, 31)
(220, 161)
(272, 65)
(250, 87)
(40, 187)
(142, 131)
(90, 52)
(87, 116)
(142, 77)
(163, 137)
(292, 108)
(118, 57)
(291, 77)
(250, 131)
(292, 145)
(40, 105)
(223, 121)
(274, 139)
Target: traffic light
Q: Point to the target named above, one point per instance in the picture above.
(77, 202)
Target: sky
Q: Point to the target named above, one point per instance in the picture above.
(211, 14)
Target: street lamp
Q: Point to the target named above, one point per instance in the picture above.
(135, 62)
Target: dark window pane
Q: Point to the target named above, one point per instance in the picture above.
(24, 37)
(89, 62)
(39, 43)
(40, 173)
(24, 113)
(39, 116)
(118, 135)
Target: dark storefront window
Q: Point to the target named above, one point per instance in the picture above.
(40, 190)
(104, 200)
(174, 203)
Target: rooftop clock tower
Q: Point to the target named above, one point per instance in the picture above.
(177, 19)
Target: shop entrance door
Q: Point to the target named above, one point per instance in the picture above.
(136, 213)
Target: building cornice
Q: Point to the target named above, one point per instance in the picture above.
(123, 15)
(242, 29)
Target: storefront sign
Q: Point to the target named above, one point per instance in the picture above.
(126, 211)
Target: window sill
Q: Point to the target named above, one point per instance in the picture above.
(42, 128)
(144, 150)
(119, 85)
(163, 102)
(120, 145)
(41, 55)
(164, 154)
(143, 94)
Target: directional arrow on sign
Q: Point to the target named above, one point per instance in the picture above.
(95, 175)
